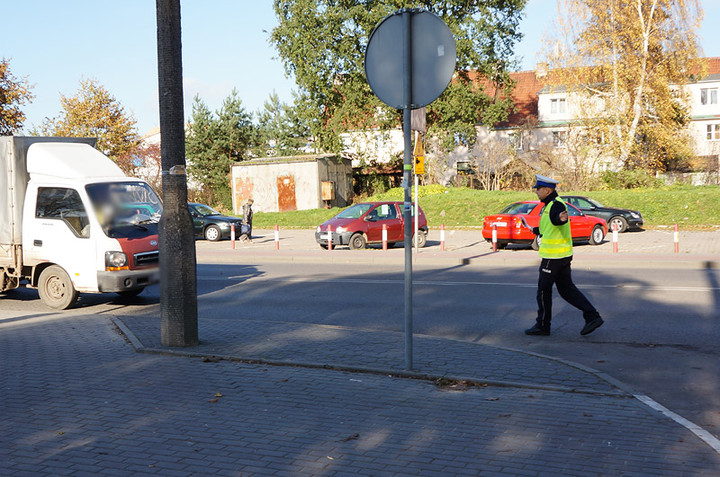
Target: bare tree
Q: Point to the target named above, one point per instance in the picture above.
(489, 163)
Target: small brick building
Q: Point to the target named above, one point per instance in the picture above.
(279, 184)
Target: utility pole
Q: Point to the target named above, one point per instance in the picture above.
(178, 266)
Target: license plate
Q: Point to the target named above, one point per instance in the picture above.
(501, 224)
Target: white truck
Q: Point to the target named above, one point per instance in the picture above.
(72, 222)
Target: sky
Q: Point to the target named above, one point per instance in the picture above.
(225, 46)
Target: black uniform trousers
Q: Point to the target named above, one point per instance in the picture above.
(556, 271)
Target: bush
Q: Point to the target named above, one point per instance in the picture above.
(630, 179)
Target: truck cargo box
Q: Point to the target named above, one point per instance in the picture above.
(13, 184)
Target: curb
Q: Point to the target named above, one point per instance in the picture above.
(624, 392)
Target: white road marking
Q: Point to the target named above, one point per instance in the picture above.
(701, 433)
(368, 281)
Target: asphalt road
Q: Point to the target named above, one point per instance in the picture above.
(661, 334)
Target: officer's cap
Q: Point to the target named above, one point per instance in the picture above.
(542, 181)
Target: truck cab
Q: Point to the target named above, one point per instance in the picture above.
(85, 227)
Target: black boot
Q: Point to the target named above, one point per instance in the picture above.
(538, 330)
(591, 325)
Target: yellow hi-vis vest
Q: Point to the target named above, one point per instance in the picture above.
(556, 240)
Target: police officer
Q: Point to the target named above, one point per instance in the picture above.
(556, 254)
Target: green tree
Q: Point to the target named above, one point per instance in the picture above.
(322, 43)
(214, 142)
(94, 112)
(14, 93)
(623, 62)
(280, 129)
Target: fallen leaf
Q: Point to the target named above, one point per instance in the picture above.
(218, 395)
(211, 359)
(214, 400)
(330, 458)
(350, 437)
(492, 399)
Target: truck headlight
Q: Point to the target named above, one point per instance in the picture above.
(116, 261)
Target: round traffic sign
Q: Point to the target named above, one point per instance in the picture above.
(432, 59)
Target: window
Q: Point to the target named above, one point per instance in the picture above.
(383, 212)
(573, 212)
(379, 142)
(582, 204)
(515, 140)
(63, 204)
(708, 96)
(519, 208)
(713, 132)
(557, 106)
(559, 138)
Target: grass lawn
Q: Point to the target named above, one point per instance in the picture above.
(687, 206)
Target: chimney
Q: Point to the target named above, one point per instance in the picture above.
(541, 70)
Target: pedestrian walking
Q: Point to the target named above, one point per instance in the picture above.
(248, 216)
(556, 253)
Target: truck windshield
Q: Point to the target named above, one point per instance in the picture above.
(124, 208)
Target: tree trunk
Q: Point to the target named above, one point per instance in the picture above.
(647, 26)
(178, 285)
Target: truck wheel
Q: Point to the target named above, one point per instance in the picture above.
(212, 233)
(357, 242)
(56, 289)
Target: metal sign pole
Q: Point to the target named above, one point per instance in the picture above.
(390, 59)
(407, 170)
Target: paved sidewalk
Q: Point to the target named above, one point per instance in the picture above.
(77, 400)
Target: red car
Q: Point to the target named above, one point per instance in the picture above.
(362, 224)
(510, 228)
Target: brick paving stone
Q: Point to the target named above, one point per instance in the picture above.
(126, 411)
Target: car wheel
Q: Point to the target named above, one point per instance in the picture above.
(56, 289)
(357, 242)
(536, 243)
(131, 293)
(597, 235)
(622, 224)
(422, 239)
(212, 233)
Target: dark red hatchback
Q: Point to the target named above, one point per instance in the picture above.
(362, 224)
